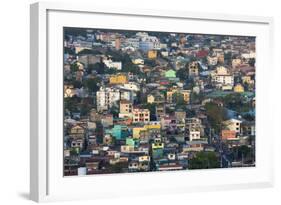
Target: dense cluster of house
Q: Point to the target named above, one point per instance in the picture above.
(148, 101)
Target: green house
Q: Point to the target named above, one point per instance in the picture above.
(119, 132)
(170, 74)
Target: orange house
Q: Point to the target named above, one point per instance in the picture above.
(228, 135)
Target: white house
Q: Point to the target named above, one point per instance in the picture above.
(194, 134)
(233, 124)
(106, 98)
(222, 78)
(111, 64)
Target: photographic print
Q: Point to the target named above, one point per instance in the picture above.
(144, 101)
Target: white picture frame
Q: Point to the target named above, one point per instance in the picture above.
(46, 178)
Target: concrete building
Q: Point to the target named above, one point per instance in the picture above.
(193, 69)
(185, 93)
(229, 135)
(126, 109)
(106, 97)
(141, 115)
(233, 124)
(222, 78)
(212, 60)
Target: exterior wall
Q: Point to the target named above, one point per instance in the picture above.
(150, 99)
(228, 135)
(137, 131)
(238, 88)
(170, 74)
(194, 134)
(152, 54)
(212, 60)
(141, 115)
(126, 107)
(77, 132)
(118, 79)
(193, 69)
(185, 93)
(234, 125)
(106, 97)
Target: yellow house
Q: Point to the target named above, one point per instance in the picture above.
(170, 96)
(150, 99)
(246, 79)
(118, 79)
(152, 54)
(137, 131)
(238, 88)
(77, 132)
(185, 93)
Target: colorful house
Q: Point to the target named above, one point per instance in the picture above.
(170, 74)
(130, 142)
(137, 132)
(118, 79)
(157, 149)
(119, 132)
(228, 135)
(238, 88)
(152, 54)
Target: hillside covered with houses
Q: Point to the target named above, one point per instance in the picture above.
(155, 101)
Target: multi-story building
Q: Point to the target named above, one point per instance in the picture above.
(194, 134)
(106, 97)
(212, 60)
(233, 124)
(77, 132)
(229, 135)
(222, 78)
(149, 43)
(194, 128)
(157, 148)
(141, 115)
(126, 109)
(185, 93)
(193, 69)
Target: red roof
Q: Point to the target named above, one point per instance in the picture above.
(201, 53)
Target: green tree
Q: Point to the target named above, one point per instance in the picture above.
(236, 102)
(114, 110)
(74, 67)
(204, 160)
(179, 99)
(98, 67)
(182, 74)
(93, 84)
(216, 115)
